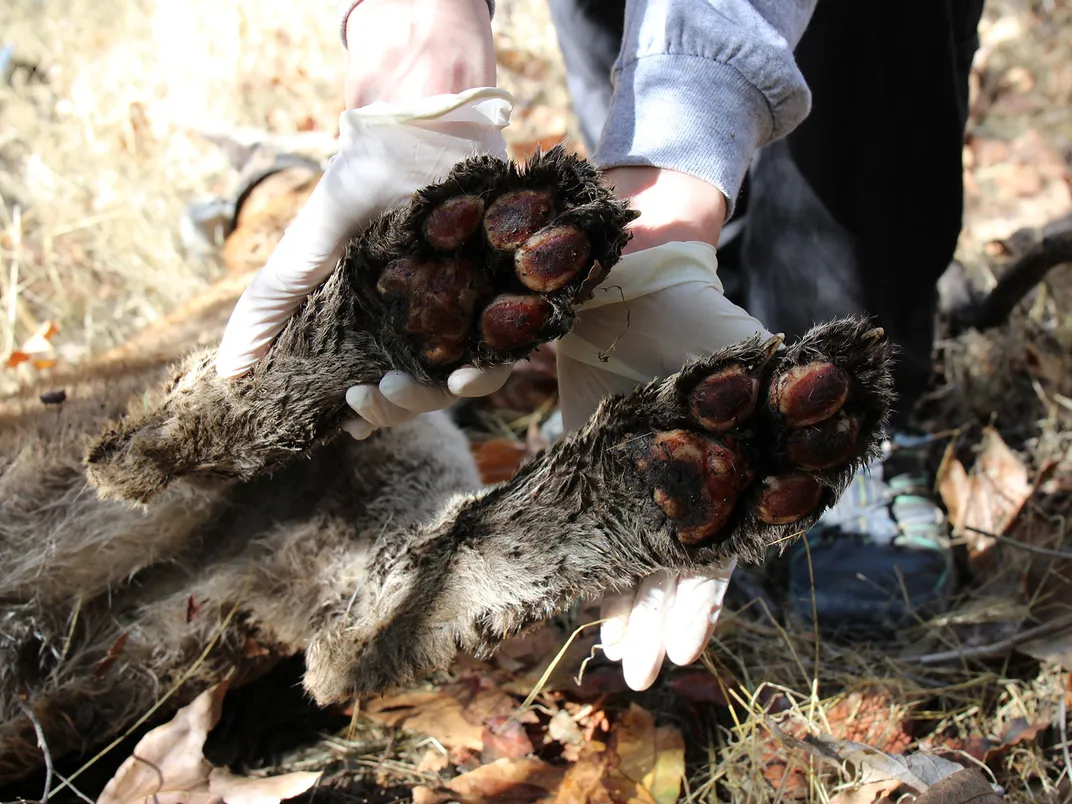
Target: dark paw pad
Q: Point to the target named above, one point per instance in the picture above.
(810, 393)
(759, 438)
(696, 481)
(516, 216)
(493, 260)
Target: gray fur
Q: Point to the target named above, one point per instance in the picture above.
(380, 559)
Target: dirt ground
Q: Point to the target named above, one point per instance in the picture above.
(116, 116)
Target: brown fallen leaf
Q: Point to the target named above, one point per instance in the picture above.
(991, 497)
(913, 774)
(966, 786)
(455, 714)
(430, 713)
(168, 767)
(651, 760)
(40, 343)
(505, 737)
(868, 716)
(991, 750)
(520, 779)
(497, 459)
(870, 793)
(260, 790)
(583, 782)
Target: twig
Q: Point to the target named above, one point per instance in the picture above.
(1031, 548)
(42, 744)
(1064, 739)
(997, 648)
(1052, 247)
(74, 789)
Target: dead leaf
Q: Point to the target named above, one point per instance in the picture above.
(16, 358)
(40, 343)
(505, 737)
(433, 761)
(991, 497)
(869, 717)
(168, 767)
(562, 728)
(583, 782)
(963, 787)
(651, 760)
(263, 790)
(915, 771)
(497, 459)
(507, 780)
(870, 793)
(455, 715)
(430, 713)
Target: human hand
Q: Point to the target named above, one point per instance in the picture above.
(404, 138)
(661, 305)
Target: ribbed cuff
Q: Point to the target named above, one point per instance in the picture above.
(686, 113)
(346, 6)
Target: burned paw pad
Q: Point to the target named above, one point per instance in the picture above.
(765, 437)
(496, 257)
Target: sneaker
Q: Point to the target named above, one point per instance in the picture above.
(881, 557)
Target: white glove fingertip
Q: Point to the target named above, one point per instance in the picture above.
(470, 381)
(615, 610)
(358, 428)
(370, 404)
(401, 390)
(691, 619)
(643, 652)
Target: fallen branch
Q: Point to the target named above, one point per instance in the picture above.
(1048, 247)
(1000, 648)
(1031, 548)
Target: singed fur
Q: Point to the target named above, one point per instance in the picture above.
(381, 559)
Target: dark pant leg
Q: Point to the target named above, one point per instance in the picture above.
(590, 36)
(859, 209)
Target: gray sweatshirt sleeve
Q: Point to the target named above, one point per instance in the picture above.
(699, 85)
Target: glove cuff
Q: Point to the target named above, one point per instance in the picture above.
(654, 269)
(485, 105)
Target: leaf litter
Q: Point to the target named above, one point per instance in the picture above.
(169, 767)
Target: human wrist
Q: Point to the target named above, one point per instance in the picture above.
(399, 50)
(673, 206)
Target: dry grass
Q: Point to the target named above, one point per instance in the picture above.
(98, 163)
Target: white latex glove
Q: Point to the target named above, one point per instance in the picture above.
(386, 152)
(656, 309)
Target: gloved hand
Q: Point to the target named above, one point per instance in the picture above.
(659, 307)
(386, 152)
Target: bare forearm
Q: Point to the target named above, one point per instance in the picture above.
(399, 50)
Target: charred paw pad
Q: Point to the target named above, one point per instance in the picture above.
(762, 438)
(488, 264)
